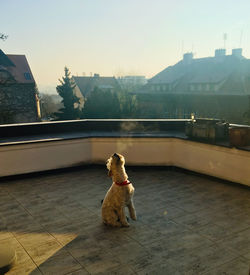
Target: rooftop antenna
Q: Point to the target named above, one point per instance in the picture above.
(225, 39)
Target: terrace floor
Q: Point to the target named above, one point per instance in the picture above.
(187, 224)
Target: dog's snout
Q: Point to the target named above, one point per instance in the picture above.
(115, 155)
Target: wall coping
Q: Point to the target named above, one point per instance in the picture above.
(24, 133)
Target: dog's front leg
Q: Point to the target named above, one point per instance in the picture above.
(122, 217)
(132, 212)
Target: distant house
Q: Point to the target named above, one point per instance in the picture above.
(132, 81)
(86, 84)
(221, 74)
(214, 87)
(18, 95)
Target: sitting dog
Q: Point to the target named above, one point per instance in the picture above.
(119, 195)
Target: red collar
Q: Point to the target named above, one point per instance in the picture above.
(126, 182)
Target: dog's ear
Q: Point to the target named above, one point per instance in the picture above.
(109, 173)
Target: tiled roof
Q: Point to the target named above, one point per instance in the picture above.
(203, 70)
(4, 60)
(17, 66)
(209, 70)
(87, 84)
(169, 75)
(21, 72)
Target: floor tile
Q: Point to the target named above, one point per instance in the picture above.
(186, 224)
(233, 267)
(62, 263)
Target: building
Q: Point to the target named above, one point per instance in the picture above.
(220, 74)
(18, 94)
(214, 87)
(84, 85)
(132, 81)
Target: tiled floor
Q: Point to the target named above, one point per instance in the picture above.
(186, 224)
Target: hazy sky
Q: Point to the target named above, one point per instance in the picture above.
(119, 37)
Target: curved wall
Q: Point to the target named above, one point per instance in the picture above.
(222, 162)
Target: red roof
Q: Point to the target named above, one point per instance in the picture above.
(21, 72)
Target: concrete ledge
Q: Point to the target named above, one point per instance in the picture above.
(222, 162)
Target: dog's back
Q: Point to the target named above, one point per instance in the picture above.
(118, 195)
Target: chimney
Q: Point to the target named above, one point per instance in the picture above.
(237, 52)
(219, 52)
(187, 58)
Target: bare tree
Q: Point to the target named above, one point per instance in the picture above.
(3, 36)
(48, 106)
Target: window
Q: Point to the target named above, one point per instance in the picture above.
(27, 76)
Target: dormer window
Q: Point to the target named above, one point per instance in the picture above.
(27, 76)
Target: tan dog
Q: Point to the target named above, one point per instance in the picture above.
(119, 195)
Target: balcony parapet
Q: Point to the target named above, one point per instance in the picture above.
(208, 131)
(33, 147)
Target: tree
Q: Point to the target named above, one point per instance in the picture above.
(49, 106)
(102, 104)
(128, 104)
(3, 36)
(70, 101)
(110, 104)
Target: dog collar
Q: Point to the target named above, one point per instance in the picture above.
(126, 182)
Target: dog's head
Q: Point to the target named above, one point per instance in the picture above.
(114, 162)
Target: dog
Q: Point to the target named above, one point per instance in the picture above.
(119, 195)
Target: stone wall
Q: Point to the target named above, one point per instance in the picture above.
(17, 103)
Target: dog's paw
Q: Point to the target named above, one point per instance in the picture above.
(126, 224)
(134, 218)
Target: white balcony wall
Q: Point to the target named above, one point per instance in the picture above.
(137, 151)
(222, 162)
(42, 156)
